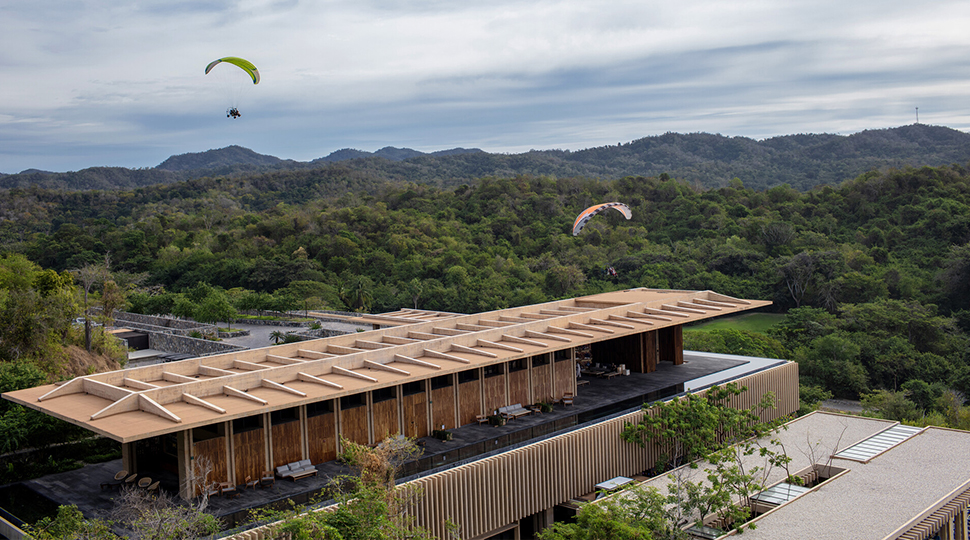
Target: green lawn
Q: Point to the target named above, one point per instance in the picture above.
(752, 322)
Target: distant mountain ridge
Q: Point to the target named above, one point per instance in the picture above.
(802, 161)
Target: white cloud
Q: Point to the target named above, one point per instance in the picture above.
(121, 83)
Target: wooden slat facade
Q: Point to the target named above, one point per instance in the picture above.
(322, 437)
(542, 382)
(385, 419)
(287, 443)
(415, 407)
(494, 393)
(353, 424)
(519, 388)
(443, 406)
(249, 453)
(214, 450)
(471, 402)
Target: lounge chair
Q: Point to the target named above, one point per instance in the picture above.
(511, 412)
(567, 399)
(250, 483)
(481, 418)
(119, 479)
(153, 489)
(296, 470)
(145, 482)
(228, 490)
(266, 479)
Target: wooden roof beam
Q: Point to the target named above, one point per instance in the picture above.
(612, 323)
(672, 308)
(581, 326)
(555, 312)
(149, 405)
(314, 355)
(568, 332)
(232, 392)
(698, 306)
(493, 345)
(337, 370)
(511, 319)
(285, 360)
(449, 331)
(536, 316)
(652, 311)
(306, 377)
(713, 303)
(495, 324)
(472, 327)
(574, 309)
(370, 345)
(105, 390)
(524, 341)
(472, 350)
(209, 371)
(128, 403)
(396, 340)
(73, 386)
(408, 360)
(139, 385)
(192, 400)
(541, 335)
(382, 367)
(177, 378)
(639, 315)
(248, 366)
(266, 383)
(423, 336)
(628, 320)
(725, 298)
(446, 356)
(340, 349)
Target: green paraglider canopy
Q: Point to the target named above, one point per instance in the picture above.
(241, 63)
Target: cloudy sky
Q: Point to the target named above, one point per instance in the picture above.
(121, 83)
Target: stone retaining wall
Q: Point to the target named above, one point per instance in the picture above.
(187, 345)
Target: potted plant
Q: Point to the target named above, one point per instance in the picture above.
(441, 435)
(496, 420)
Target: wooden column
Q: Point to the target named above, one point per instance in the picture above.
(183, 443)
(649, 351)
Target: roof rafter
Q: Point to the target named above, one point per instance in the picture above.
(377, 365)
(193, 400)
(408, 360)
(533, 333)
(232, 392)
(266, 383)
(446, 356)
(344, 371)
(493, 345)
(472, 350)
(306, 377)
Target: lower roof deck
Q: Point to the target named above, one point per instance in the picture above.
(597, 400)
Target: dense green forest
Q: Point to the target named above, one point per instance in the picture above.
(873, 273)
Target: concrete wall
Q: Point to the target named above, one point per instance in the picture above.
(187, 345)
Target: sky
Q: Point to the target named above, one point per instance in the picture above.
(121, 83)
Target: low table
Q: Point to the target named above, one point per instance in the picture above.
(613, 483)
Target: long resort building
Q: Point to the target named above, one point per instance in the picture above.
(251, 411)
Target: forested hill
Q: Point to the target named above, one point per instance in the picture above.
(702, 159)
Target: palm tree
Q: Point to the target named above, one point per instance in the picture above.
(277, 336)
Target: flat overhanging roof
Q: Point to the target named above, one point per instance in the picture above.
(138, 403)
